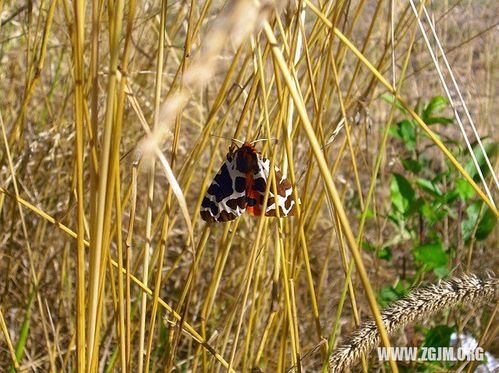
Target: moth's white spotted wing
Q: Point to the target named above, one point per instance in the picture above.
(226, 197)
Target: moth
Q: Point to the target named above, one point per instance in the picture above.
(239, 186)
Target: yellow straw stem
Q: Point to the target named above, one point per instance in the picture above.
(333, 193)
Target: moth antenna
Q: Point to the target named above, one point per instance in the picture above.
(238, 141)
(234, 144)
(271, 139)
(221, 137)
(259, 131)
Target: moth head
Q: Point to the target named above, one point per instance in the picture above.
(246, 159)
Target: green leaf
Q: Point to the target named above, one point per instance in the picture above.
(402, 194)
(412, 165)
(366, 245)
(464, 189)
(370, 214)
(439, 336)
(407, 131)
(429, 213)
(24, 332)
(385, 253)
(388, 294)
(388, 97)
(111, 361)
(441, 272)
(416, 206)
(438, 120)
(491, 150)
(419, 107)
(393, 131)
(450, 196)
(431, 254)
(436, 104)
(486, 225)
(468, 224)
(429, 187)
(434, 211)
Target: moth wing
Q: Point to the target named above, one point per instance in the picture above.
(255, 195)
(225, 198)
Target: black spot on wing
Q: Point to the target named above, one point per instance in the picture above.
(226, 216)
(240, 184)
(213, 189)
(259, 185)
(205, 214)
(206, 203)
(222, 185)
(212, 206)
(237, 202)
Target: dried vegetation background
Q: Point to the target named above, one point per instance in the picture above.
(128, 108)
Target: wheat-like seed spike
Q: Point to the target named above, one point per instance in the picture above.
(419, 304)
